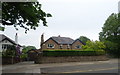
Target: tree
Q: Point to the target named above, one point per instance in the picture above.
(24, 14)
(111, 34)
(27, 48)
(94, 45)
(84, 39)
(111, 28)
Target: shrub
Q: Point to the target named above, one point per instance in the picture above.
(10, 52)
(73, 52)
(23, 56)
(94, 45)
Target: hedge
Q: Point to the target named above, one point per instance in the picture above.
(73, 52)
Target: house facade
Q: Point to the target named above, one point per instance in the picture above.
(6, 42)
(65, 43)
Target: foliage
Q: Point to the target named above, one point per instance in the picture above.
(84, 39)
(111, 28)
(110, 34)
(112, 49)
(11, 52)
(0, 54)
(2, 28)
(61, 50)
(27, 48)
(23, 56)
(72, 53)
(91, 45)
(24, 14)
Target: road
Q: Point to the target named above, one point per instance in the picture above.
(109, 67)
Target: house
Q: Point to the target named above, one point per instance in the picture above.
(6, 42)
(64, 43)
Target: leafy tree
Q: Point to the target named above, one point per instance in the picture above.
(111, 29)
(94, 45)
(110, 34)
(84, 39)
(24, 14)
(27, 48)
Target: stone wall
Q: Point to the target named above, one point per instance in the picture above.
(40, 59)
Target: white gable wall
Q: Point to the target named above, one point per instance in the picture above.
(7, 42)
(4, 42)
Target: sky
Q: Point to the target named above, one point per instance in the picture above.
(70, 18)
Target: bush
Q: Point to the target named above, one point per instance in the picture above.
(113, 49)
(11, 52)
(94, 45)
(73, 52)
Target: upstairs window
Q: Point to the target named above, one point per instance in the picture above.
(78, 46)
(51, 45)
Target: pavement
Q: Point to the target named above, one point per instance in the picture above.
(30, 67)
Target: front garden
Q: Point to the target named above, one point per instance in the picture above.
(92, 51)
(11, 55)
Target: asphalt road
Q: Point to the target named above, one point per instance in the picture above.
(88, 68)
(109, 67)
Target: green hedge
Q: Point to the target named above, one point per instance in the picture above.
(73, 52)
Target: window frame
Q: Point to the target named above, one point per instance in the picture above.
(49, 46)
(61, 46)
(78, 46)
(5, 46)
(68, 46)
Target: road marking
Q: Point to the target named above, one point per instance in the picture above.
(91, 70)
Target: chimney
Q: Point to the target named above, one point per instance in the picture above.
(42, 40)
(58, 35)
(16, 38)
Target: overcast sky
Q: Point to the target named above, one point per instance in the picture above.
(71, 18)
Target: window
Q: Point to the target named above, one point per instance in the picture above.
(51, 45)
(78, 46)
(61, 46)
(5, 46)
(68, 46)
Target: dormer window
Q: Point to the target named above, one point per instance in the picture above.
(51, 45)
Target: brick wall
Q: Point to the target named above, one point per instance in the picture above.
(41, 59)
